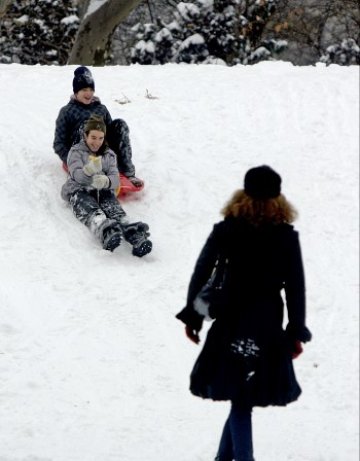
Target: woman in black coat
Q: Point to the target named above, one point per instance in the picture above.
(247, 356)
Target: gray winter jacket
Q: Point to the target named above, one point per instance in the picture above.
(78, 180)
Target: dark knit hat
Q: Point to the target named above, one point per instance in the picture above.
(95, 122)
(83, 79)
(262, 182)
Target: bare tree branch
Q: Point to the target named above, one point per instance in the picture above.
(310, 26)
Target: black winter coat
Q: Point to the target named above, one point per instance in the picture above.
(247, 353)
(70, 123)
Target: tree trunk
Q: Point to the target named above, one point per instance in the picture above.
(4, 4)
(95, 31)
(82, 6)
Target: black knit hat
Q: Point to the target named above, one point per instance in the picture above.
(262, 182)
(83, 79)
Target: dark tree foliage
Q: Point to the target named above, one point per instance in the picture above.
(38, 32)
(206, 31)
(345, 53)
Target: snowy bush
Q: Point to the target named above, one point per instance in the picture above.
(38, 32)
(345, 53)
(208, 31)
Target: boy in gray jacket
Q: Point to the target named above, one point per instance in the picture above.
(93, 178)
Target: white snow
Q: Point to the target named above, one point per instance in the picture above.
(188, 10)
(70, 19)
(148, 46)
(94, 5)
(164, 33)
(22, 20)
(195, 39)
(94, 366)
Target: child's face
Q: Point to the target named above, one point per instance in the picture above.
(94, 140)
(85, 95)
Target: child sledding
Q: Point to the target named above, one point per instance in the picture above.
(90, 190)
(70, 127)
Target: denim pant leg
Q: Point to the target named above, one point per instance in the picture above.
(241, 432)
(225, 452)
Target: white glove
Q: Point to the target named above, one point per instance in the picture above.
(100, 181)
(94, 166)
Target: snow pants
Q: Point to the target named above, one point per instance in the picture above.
(118, 139)
(98, 213)
(236, 441)
(104, 216)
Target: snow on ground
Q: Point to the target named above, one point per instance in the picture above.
(93, 364)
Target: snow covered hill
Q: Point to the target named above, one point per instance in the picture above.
(93, 364)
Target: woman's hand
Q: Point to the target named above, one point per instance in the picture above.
(297, 349)
(192, 334)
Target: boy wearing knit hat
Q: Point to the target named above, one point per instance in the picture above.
(72, 117)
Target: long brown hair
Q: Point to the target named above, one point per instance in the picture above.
(96, 122)
(272, 210)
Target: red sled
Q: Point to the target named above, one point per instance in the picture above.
(125, 187)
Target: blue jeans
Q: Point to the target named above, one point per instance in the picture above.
(236, 441)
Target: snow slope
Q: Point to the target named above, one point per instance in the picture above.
(93, 364)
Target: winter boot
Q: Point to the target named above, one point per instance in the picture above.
(112, 236)
(137, 235)
(108, 231)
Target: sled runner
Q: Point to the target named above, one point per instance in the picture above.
(125, 187)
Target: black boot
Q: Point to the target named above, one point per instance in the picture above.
(112, 236)
(137, 235)
(107, 230)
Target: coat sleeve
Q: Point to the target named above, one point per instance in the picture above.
(295, 291)
(62, 138)
(111, 169)
(107, 117)
(202, 271)
(75, 164)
